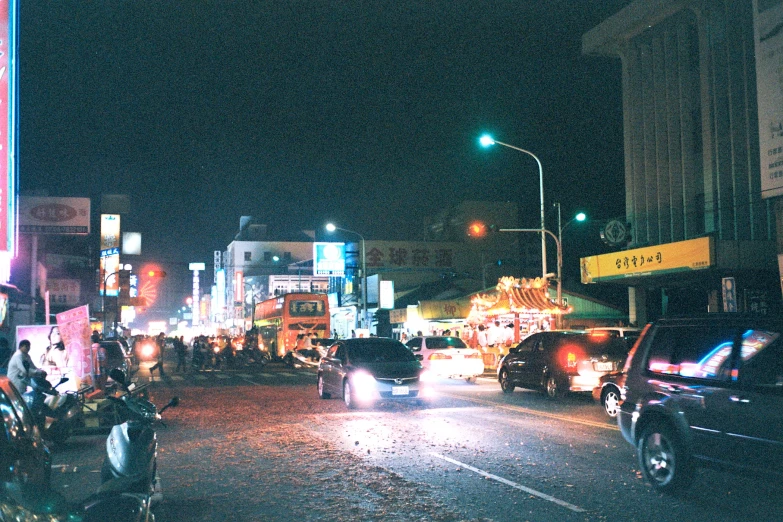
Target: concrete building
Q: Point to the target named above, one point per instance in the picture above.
(699, 235)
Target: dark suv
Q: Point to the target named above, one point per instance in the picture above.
(705, 390)
(561, 361)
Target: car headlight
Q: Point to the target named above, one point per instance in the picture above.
(364, 385)
(427, 376)
(147, 350)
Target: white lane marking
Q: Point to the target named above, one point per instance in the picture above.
(287, 374)
(514, 485)
(520, 409)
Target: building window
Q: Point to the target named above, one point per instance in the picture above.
(247, 256)
(267, 256)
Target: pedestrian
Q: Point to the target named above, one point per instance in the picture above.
(182, 353)
(481, 338)
(161, 342)
(21, 367)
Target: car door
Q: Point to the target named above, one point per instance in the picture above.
(529, 359)
(753, 411)
(414, 345)
(330, 366)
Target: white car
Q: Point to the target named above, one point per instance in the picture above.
(447, 357)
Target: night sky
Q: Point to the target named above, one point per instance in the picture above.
(363, 113)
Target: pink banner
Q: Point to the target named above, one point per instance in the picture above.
(74, 328)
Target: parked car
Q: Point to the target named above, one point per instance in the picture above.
(118, 356)
(610, 392)
(22, 451)
(447, 357)
(365, 370)
(705, 390)
(630, 334)
(561, 361)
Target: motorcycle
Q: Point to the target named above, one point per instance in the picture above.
(131, 449)
(25, 488)
(56, 414)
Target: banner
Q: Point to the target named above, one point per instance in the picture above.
(49, 354)
(74, 327)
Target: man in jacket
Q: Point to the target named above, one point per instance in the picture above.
(21, 367)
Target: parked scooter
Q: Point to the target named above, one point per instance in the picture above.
(26, 495)
(56, 414)
(131, 460)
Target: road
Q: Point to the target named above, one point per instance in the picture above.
(260, 445)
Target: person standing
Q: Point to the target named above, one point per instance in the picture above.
(182, 352)
(21, 367)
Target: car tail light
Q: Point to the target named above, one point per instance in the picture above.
(473, 356)
(438, 356)
(570, 355)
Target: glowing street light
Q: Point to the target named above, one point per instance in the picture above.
(487, 141)
(331, 227)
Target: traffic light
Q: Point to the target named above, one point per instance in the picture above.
(156, 273)
(124, 280)
(477, 229)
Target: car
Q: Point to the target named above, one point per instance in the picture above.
(705, 390)
(561, 361)
(447, 357)
(118, 356)
(630, 334)
(610, 392)
(364, 371)
(23, 453)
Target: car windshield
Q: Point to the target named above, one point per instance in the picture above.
(380, 352)
(441, 343)
(113, 351)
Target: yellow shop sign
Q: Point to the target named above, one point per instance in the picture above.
(682, 256)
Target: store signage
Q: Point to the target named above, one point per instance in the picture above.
(452, 309)
(66, 216)
(729, 294)
(63, 291)
(386, 300)
(329, 259)
(768, 17)
(9, 81)
(682, 256)
(110, 231)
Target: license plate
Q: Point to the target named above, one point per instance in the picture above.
(603, 366)
(399, 390)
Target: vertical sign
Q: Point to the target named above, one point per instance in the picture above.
(7, 134)
(196, 306)
(768, 17)
(110, 253)
(729, 295)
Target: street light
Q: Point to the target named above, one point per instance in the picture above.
(581, 216)
(330, 227)
(487, 141)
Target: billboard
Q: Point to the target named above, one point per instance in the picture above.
(329, 259)
(110, 232)
(64, 216)
(8, 115)
(768, 17)
(682, 256)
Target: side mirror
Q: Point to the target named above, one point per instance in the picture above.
(515, 349)
(117, 375)
(418, 356)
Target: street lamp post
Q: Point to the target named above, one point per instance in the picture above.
(331, 228)
(487, 141)
(544, 231)
(103, 298)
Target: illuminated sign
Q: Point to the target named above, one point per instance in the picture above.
(386, 300)
(682, 256)
(329, 259)
(110, 231)
(39, 215)
(8, 115)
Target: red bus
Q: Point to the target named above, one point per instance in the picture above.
(280, 319)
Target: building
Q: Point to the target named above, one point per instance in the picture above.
(700, 232)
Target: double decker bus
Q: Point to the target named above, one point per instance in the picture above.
(280, 319)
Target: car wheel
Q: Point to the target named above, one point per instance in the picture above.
(611, 401)
(505, 382)
(663, 460)
(552, 387)
(321, 393)
(348, 395)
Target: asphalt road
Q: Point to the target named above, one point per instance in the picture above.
(260, 445)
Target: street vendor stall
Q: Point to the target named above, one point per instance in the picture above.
(521, 305)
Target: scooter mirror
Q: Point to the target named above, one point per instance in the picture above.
(174, 402)
(117, 375)
(62, 380)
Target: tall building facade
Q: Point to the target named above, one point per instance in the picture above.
(692, 163)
